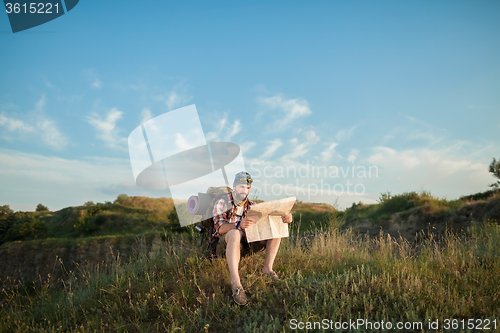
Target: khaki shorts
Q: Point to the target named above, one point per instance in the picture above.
(245, 247)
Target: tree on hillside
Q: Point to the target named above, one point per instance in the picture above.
(495, 170)
(41, 208)
(5, 211)
(122, 198)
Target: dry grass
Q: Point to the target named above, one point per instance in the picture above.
(329, 275)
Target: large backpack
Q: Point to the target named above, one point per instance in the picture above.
(206, 241)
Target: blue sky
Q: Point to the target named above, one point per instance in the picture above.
(411, 88)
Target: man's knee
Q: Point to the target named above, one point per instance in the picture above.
(233, 235)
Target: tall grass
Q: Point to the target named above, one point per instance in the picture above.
(330, 275)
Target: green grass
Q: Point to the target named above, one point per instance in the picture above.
(331, 275)
(325, 274)
(411, 202)
(126, 216)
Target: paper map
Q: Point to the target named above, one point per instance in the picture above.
(267, 216)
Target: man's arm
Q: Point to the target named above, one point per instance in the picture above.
(225, 227)
(245, 223)
(220, 219)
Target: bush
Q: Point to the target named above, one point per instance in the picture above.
(5, 212)
(41, 208)
(27, 227)
(85, 223)
(398, 203)
(34, 228)
(122, 198)
(494, 169)
(5, 226)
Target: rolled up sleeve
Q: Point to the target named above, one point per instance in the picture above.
(220, 216)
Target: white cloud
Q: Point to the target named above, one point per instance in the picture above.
(352, 155)
(271, 149)
(175, 98)
(97, 83)
(47, 83)
(234, 130)
(442, 170)
(219, 127)
(328, 152)
(136, 87)
(445, 172)
(181, 142)
(211, 136)
(413, 129)
(40, 104)
(146, 115)
(221, 132)
(40, 127)
(34, 178)
(311, 137)
(47, 128)
(298, 151)
(12, 124)
(245, 147)
(343, 135)
(106, 129)
(291, 108)
(50, 134)
(405, 160)
(91, 76)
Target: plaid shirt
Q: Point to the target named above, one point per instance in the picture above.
(224, 215)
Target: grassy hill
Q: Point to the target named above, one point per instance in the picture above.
(125, 216)
(327, 273)
(412, 214)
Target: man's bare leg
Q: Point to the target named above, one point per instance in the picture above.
(233, 238)
(272, 247)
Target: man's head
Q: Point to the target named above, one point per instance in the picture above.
(241, 186)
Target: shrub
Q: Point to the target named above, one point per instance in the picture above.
(34, 228)
(494, 168)
(85, 223)
(398, 203)
(5, 211)
(41, 208)
(122, 198)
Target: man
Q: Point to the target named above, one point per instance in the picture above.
(230, 222)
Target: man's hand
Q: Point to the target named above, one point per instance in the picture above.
(287, 218)
(246, 222)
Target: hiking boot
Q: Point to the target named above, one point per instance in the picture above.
(272, 275)
(239, 296)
